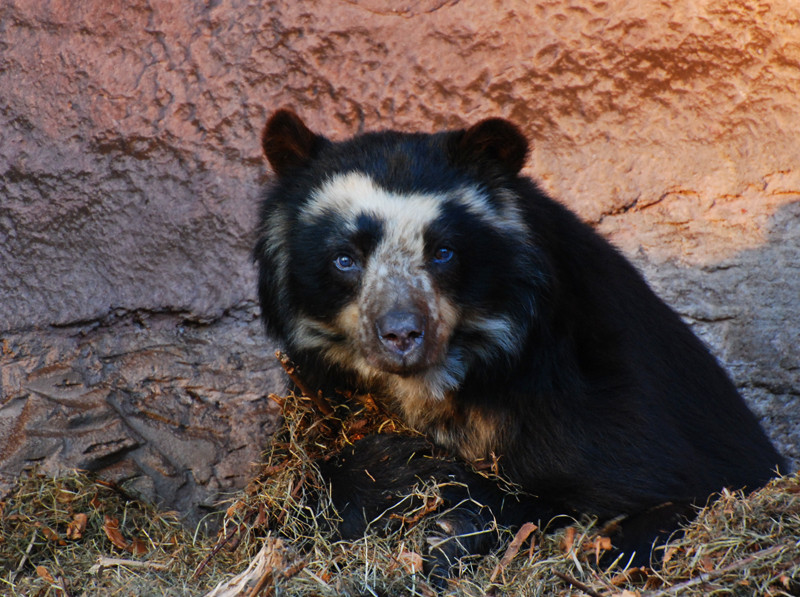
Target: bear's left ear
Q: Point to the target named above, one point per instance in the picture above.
(287, 142)
(494, 139)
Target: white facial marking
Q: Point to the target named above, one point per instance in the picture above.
(500, 333)
(396, 271)
(353, 194)
(507, 219)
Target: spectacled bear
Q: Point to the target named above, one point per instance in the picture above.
(424, 269)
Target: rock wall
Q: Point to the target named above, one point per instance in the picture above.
(130, 168)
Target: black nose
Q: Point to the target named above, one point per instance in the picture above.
(400, 331)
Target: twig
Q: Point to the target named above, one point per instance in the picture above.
(104, 562)
(431, 505)
(273, 469)
(577, 584)
(25, 556)
(523, 533)
(220, 544)
(714, 574)
(294, 570)
(291, 371)
(268, 577)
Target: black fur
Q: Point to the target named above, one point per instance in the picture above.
(372, 480)
(609, 405)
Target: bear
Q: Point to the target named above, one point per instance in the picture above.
(426, 270)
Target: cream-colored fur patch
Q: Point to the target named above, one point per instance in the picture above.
(397, 271)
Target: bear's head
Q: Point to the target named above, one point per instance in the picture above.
(403, 259)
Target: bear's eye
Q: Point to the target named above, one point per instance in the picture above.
(442, 255)
(344, 263)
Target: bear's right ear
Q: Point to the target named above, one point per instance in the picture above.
(287, 142)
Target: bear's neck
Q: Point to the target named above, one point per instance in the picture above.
(464, 430)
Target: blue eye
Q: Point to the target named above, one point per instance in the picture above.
(344, 263)
(442, 255)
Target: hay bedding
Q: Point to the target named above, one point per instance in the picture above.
(79, 536)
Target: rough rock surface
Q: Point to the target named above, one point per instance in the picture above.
(130, 167)
(172, 410)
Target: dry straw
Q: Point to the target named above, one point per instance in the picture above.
(75, 535)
